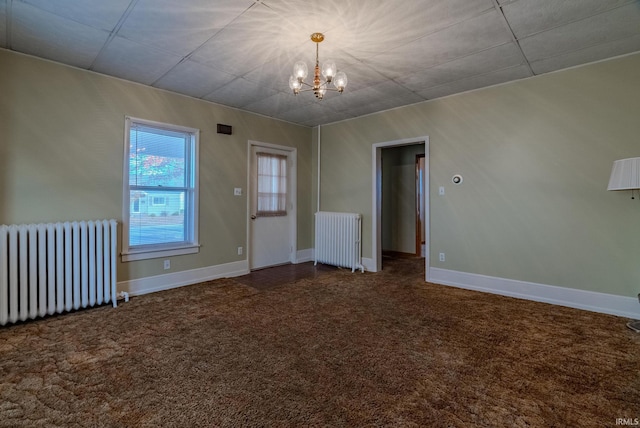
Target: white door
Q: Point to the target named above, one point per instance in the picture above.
(271, 207)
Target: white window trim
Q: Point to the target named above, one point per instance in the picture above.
(165, 250)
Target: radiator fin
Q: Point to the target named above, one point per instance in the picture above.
(56, 267)
(338, 239)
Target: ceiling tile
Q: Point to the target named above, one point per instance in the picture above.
(475, 82)
(308, 17)
(474, 35)
(368, 30)
(194, 79)
(380, 97)
(259, 33)
(239, 93)
(275, 73)
(533, 16)
(504, 56)
(99, 14)
(589, 54)
(340, 102)
(40, 33)
(241, 52)
(606, 27)
(311, 114)
(3, 24)
(132, 61)
(360, 75)
(180, 27)
(277, 104)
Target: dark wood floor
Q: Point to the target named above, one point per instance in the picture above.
(263, 279)
(266, 278)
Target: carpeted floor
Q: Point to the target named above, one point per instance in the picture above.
(334, 349)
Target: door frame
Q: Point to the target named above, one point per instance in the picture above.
(376, 209)
(293, 209)
(419, 225)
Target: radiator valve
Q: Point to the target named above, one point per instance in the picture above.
(124, 295)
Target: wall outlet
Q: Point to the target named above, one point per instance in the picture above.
(441, 257)
(239, 251)
(167, 264)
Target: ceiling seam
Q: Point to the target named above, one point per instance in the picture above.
(430, 33)
(513, 35)
(8, 19)
(114, 32)
(190, 54)
(488, 73)
(567, 52)
(560, 25)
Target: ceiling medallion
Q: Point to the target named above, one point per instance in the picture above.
(328, 71)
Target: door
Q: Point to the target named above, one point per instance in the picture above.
(270, 207)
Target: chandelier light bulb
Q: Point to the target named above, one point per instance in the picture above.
(294, 84)
(300, 70)
(340, 81)
(329, 70)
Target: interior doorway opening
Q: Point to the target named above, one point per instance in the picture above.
(398, 219)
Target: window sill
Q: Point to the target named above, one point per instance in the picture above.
(158, 253)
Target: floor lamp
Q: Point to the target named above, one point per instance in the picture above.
(625, 175)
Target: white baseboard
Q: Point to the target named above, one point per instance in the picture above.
(137, 287)
(309, 255)
(368, 264)
(622, 306)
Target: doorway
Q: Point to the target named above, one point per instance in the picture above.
(377, 180)
(271, 205)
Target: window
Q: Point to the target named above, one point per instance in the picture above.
(159, 201)
(272, 185)
(160, 190)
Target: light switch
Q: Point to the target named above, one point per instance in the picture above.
(237, 191)
(441, 190)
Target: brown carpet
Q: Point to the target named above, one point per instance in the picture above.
(335, 350)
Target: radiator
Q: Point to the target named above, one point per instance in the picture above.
(56, 267)
(338, 239)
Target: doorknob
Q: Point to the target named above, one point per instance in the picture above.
(253, 217)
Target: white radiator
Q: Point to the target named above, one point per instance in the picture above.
(56, 267)
(338, 239)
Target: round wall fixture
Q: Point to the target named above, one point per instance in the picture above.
(456, 179)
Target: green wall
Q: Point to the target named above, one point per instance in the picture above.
(61, 154)
(535, 155)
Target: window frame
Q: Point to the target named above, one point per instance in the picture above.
(151, 251)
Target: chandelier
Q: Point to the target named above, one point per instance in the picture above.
(319, 86)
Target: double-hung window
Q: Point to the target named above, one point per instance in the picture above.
(160, 190)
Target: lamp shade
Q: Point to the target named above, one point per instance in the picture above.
(625, 174)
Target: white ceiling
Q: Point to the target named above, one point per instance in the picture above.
(395, 52)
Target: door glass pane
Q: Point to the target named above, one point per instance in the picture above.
(272, 185)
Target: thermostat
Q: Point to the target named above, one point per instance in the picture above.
(457, 179)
